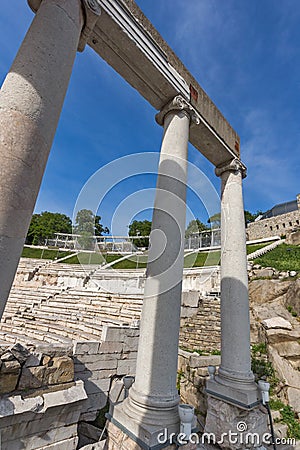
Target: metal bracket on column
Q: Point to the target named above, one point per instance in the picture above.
(178, 103)
(232, 166)
(92, 11)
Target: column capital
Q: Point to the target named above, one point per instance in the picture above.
(91, 11)
(231, 166)
(178, 103)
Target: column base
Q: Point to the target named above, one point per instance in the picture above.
(244, 396)
(234, 428)
(119, 440)
(150, 428)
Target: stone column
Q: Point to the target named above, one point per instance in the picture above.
(235, 380)
(31, 100)
(153, 400)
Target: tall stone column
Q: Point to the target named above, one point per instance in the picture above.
(31, 100)
(153, 400)
(235, 381)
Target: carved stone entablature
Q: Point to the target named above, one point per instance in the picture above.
(91, 10)
(233, 166)
(178, 103)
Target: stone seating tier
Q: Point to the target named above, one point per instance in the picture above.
(52, 314)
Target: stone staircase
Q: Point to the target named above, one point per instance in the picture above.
(264, 250)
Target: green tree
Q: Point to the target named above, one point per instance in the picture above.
(140, 228)
(195, 226)
(215, 220)
(250, 217)
(44, 226)
(88, 225)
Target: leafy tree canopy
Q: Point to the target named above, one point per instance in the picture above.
(44, 226)
(215, 220)
(195, 226)
(249, 217)
(88, 223)
(140, 228)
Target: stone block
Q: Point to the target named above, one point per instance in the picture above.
(71, 395)
(224, 418)
(7, 356)
(67, 444)
(95, 402)
(93, 386)
(115, 393)
(86, 347)
(8, 382)
(263, 272)
(100, 374)
(277, 322)
(293, 396)
(280, 335)
(97, 357)
(12, 367)
(288, 349)
(131, 344)
(20, 353)
(54, 435)
(89, 432)
(284, 369)
(111, 347)
(102, 365)
(112, 334)
(85, 375)
(204, 361)
(32, 377)
(55, 349)
(126, 367)
(190, 299)
(281, 430)
(188, 312)
(62, 370)
(129, 355)
(33, 360)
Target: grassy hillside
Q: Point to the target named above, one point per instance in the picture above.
(133, 262)
(284, 257)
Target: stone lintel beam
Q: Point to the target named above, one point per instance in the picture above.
(124, 37)
(127, 40)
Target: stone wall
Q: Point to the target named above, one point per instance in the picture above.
(274, 226)
(36, 367)
(200, 327)
(97, 363)
(36, 273)
(40, 403)
(192, 375)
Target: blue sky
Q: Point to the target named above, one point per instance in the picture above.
(245, 54)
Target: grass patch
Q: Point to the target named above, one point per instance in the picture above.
(200, 259)
(284, 257)
(262, 367)
(38, 253)
(253, 247)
